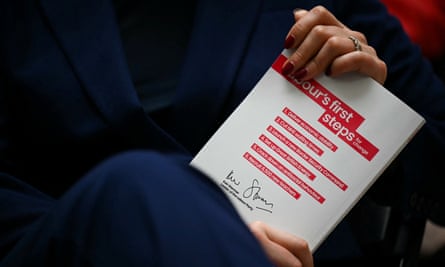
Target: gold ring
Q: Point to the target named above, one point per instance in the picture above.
(357, 45)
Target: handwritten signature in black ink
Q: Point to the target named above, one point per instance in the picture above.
(253, 192)
(231, 178)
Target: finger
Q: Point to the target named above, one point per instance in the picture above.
(361, 62)
(278, 255)
(358, 35)
(323, 41)
(320, 60)
(297, 246)
(299, 13)
(318, 15)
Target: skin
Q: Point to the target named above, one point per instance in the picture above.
(283, 249)
(320, 43)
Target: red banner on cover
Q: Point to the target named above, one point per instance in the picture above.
(338, 117)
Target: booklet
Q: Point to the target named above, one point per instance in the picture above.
(298, 155)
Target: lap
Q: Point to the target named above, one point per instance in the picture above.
(140, 208)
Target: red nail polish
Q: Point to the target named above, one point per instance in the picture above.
(289, 41)
(299, 74)
(287, 68)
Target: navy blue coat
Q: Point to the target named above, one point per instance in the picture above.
(67, 100)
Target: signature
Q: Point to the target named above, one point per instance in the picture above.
(231, 178)
(253, 192)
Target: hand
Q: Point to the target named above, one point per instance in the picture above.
(324, 44)
(283, 249)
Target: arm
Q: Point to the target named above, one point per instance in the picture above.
(412, 79)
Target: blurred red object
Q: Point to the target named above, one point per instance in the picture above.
(424, 22)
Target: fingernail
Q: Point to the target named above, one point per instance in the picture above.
(289, 41)
(299, 74)
(287, 68)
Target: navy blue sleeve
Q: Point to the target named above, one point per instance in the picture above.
(411, 78)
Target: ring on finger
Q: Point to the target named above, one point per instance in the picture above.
(357, 45)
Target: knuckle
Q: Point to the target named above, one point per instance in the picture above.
(372, 50)
(298, 13)
(303, 244)
(298, 27)
(297, 57)
(319, 30)
(334, 42)
(300, 244)
(257, 226)
(380, 64)
(319, 9)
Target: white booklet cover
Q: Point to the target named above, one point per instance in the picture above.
(299, 155)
